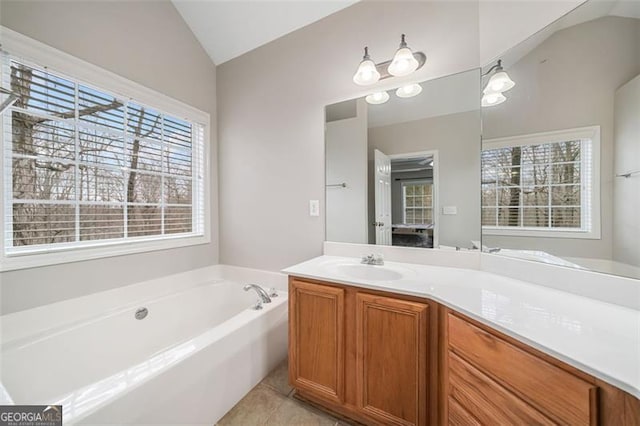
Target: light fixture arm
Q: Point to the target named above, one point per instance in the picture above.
(403, 43)
(366, 53)
(497, 67)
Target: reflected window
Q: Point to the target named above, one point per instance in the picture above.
(417, 199)
(541, 182)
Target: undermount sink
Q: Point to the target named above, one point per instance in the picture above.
(369, 272)
(351, 268)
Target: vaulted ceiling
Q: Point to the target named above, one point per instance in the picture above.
(228, 28)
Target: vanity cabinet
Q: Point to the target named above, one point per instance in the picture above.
(360, 353)
(387, 359)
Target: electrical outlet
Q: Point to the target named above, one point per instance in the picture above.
(314, 207)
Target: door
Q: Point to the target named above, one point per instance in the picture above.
(391, 359)
(382, 176)
(316, 339)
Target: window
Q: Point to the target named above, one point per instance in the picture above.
(417, 202)
(85, 167)
(541, 185)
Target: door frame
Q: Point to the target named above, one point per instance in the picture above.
(436, 187)
(382, 197)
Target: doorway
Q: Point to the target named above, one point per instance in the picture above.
(409, 203)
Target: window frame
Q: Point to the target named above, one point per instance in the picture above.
(404, 200)
(35, 53)
(593, 204)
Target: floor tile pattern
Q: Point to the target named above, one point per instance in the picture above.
(272, 403)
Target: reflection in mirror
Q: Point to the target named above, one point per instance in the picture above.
(405, 172)
(561, 148)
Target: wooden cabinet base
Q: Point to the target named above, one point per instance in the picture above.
(491, 378)
(386, 359)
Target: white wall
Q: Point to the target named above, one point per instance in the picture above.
(626, 192)
(456, 137)
(149, 43)
(346, 162)
(271, 120)
(271, 107)
(569, 81)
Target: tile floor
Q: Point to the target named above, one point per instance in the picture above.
(271, 402)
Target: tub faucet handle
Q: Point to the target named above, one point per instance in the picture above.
(273, 292)
(258, 305)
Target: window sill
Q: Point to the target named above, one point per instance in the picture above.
(538, 233)
(56, 257)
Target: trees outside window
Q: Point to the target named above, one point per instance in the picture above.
(86, 165)
(537, 186)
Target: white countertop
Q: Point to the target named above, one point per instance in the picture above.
(597, 337)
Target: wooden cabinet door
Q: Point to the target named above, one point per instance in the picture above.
(316, 339)
(391, 364)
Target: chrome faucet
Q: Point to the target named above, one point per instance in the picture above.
(492, 249)
(372, 259)
(262, 294)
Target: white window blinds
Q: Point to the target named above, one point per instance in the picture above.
(538, 186)
(85, 167)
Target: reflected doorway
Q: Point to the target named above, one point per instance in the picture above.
(406, 201)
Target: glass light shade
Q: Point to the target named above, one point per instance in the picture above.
(377, 98)
(498, 83)
(493, 99)
(366, 73)
(403, 63)
(409, 90)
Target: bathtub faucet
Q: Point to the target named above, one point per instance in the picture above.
(264, 296)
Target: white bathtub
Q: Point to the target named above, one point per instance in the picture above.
(199, 350)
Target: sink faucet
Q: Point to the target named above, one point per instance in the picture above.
(262, 294)
(372, 259)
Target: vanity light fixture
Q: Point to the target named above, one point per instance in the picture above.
(404, 62)
(377, 98)
(367, 72)
(498, 83)
(409, 90)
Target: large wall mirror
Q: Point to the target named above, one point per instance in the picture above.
(561, 148)
(404, 170)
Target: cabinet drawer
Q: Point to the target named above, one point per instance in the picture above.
(558, 394)
(489, 402)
